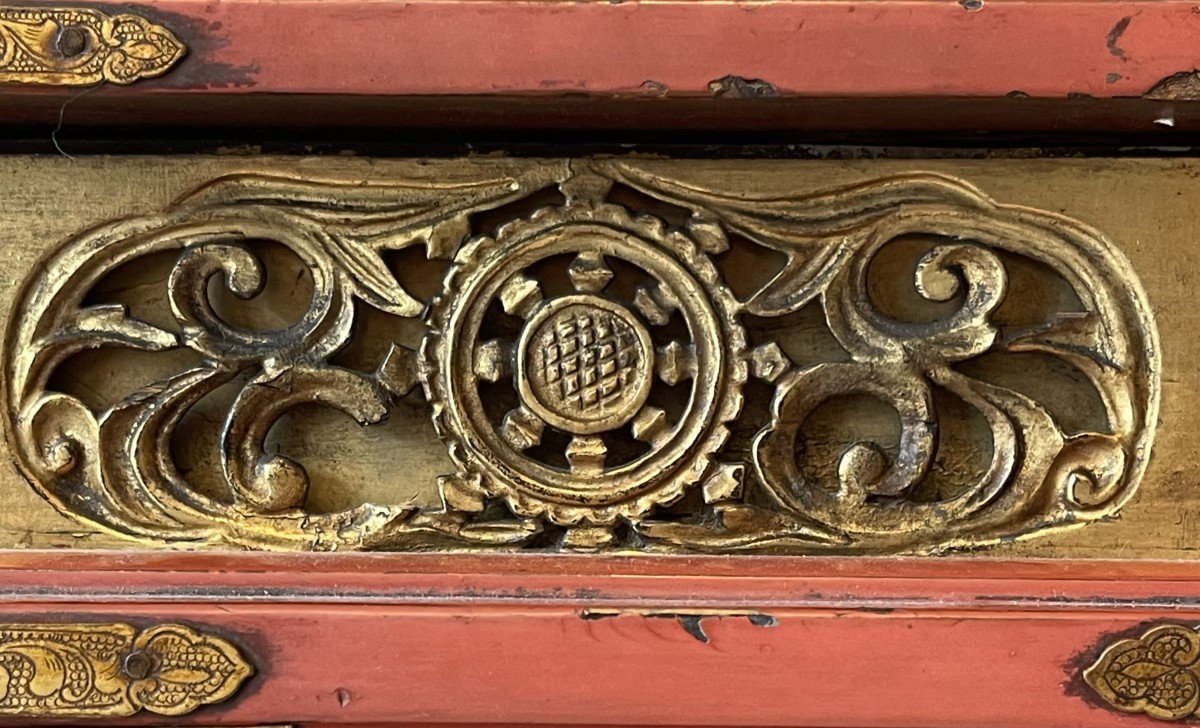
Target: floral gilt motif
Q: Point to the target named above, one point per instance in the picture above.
(80, 47)
(1157, 673)
(597, 377)
(112, 670)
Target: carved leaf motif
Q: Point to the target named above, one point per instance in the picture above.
(141, 485)
(896, 361)
(355, 225)
(581, 404)
(340, 232)
(111, 671)
(273, 483)
(51, 674)
(817, 233)
(1145, 671)
(33, 38)
(1157, 674)
(118, 49)
(192, 670)
(112, 325)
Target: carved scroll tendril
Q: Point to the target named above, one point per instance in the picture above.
(597, 380)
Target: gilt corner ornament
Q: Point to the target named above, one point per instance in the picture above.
(596, 379)
(95, 670)
(80, 47)
(1157, 674)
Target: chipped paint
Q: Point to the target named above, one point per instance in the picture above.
(1115, 34)
(1182, 86)
(691, 622)
(738, 87)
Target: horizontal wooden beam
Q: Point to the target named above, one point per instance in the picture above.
(1042, 48)
(600, 581)
(844, 65)
(439, 639)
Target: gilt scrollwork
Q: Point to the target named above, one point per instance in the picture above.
(596, 375)
(79, 46)
(101, 670)
(1157, 673)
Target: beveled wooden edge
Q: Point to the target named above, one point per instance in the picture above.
(600, 581)
(901, 567)
(436, 124)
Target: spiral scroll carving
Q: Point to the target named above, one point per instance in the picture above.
(598, 378)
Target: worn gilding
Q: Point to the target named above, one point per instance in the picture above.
(1157, 674)
(79, 47)
(103, 670)
(614, 358)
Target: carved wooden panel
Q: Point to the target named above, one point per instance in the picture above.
(662, 356)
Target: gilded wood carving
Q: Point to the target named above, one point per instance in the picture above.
(1157, 674)
(113, 670)
(599, 378)
(81, 47)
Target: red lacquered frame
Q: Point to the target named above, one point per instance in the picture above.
(422, 640)
(603, 640)
(1040, 48)
(833, 65)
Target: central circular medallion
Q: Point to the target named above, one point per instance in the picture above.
(622, 348)
(584, 364)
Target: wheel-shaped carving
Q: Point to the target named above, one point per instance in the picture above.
(595, 396)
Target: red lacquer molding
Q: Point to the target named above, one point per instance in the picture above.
(1042, 48)
(362, 640)
(846, 65)
(600, 582)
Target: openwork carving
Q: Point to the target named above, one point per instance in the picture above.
(1157, 674)
(585, 363)
(80, 47)
(615, 359)
(113, 670)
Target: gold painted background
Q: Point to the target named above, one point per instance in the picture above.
(1148, 207)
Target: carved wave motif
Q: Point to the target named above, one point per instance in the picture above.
(598, 379)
